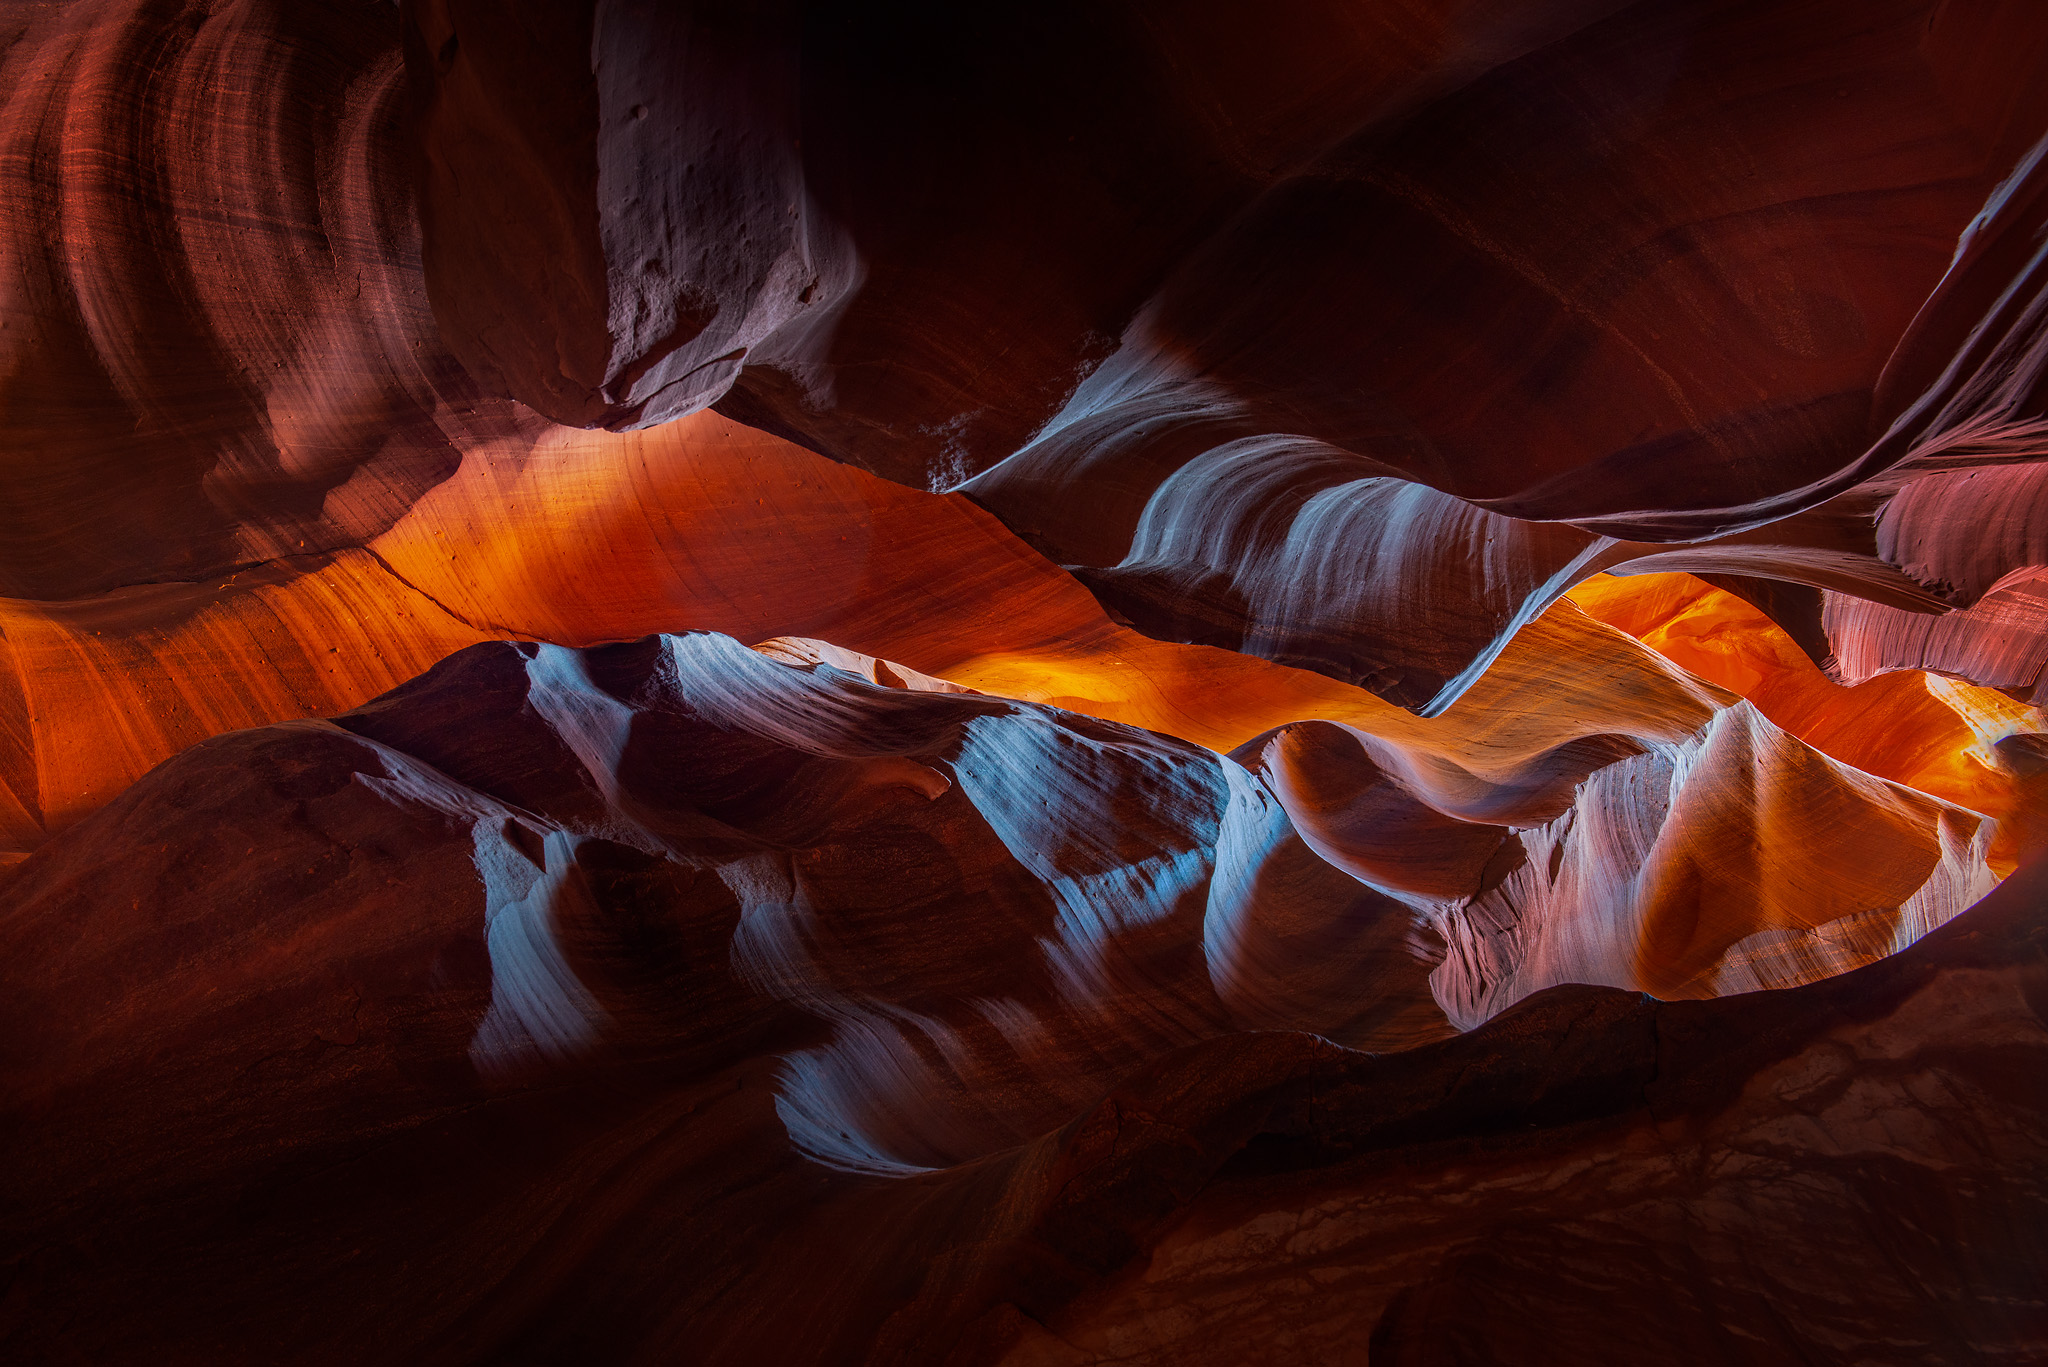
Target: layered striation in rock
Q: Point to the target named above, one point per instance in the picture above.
(610, 537)
(1480, 290)
(1129, 683)
(218, 349)
(279, 383)
(603, 1002)
(1759, 1179)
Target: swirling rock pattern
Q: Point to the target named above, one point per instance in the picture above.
(1392, 677)
(498, 1012)
(217, 349)
(1295, 446)
(215, 369)
(1752, 1175)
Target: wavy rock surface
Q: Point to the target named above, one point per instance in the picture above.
(1673, 357)
(601, 1002)
(1501, 171)
(1962, 513)
(217, 346)
(946, 214)
(1921, 730)
(865, 930)
(217, 368)
(1760, 1179)
(1462, 516)
(588, 537)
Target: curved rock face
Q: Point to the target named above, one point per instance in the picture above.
(966, 207)
(1560, 268)
(1128, 683)
(672, 957)
(1755, 1178)
(215, 368)
(1570, 185)
(216, 348)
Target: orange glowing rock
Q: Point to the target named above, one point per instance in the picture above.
(1921, 730)
(474, 888)
(590, 537)
(599, 537)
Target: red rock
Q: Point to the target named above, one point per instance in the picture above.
(604, 1002)
(1321, 943)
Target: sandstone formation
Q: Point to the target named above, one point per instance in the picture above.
(1326, 682)
(599, 1002)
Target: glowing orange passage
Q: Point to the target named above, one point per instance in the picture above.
(588, 537)
(1921, 730)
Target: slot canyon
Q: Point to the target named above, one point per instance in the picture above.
(1109, 682)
